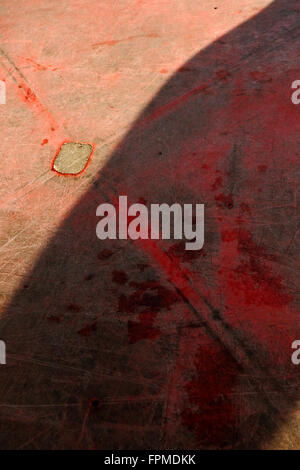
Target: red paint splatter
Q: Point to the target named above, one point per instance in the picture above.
(226, 199)
(72, 174)
(120, 277)
(151, 297)
(143, 329)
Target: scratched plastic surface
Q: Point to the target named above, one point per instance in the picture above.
(130, 345)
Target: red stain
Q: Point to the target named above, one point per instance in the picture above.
(151, 297)
(143, 329)
(246, 279)
(217, 183)
(31, 98)
(88, 329)
(225, 199)
(150, 294)
(95, 403)
(171, 106)
(178, 252)
(186, 68)
(252, 278)
(260, 76)
(74, 308)
(72, 174)
(38, 66)
(30, 95)
(262, 168)
(223, 75)
(245, 208)
(212, 415)
(104, 254)
(113, 42)
(55, 318)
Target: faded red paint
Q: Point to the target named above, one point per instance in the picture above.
(72, 174)
(184, 349)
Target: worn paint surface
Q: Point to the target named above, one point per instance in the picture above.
(139, 345)
(72, 158)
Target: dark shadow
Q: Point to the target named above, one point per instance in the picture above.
(143, 346)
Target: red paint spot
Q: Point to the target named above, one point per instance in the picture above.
(171, 106)
(72, 174)
(223, 75)
(245, 208)
(226, 199)
(185, 68)
(142, 266)
(212, 415)
(228, 235)
(113, 42)
(105, 254)
(260, 77)
(38, 66)
(143, 329)
(150, 297)
(217, 183)
(45, 141)
(179, 252)
(30, 95)
(262, 168)
(74, 308)
(55, 318)
(252, 278)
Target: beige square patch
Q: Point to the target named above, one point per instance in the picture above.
(72, 158)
